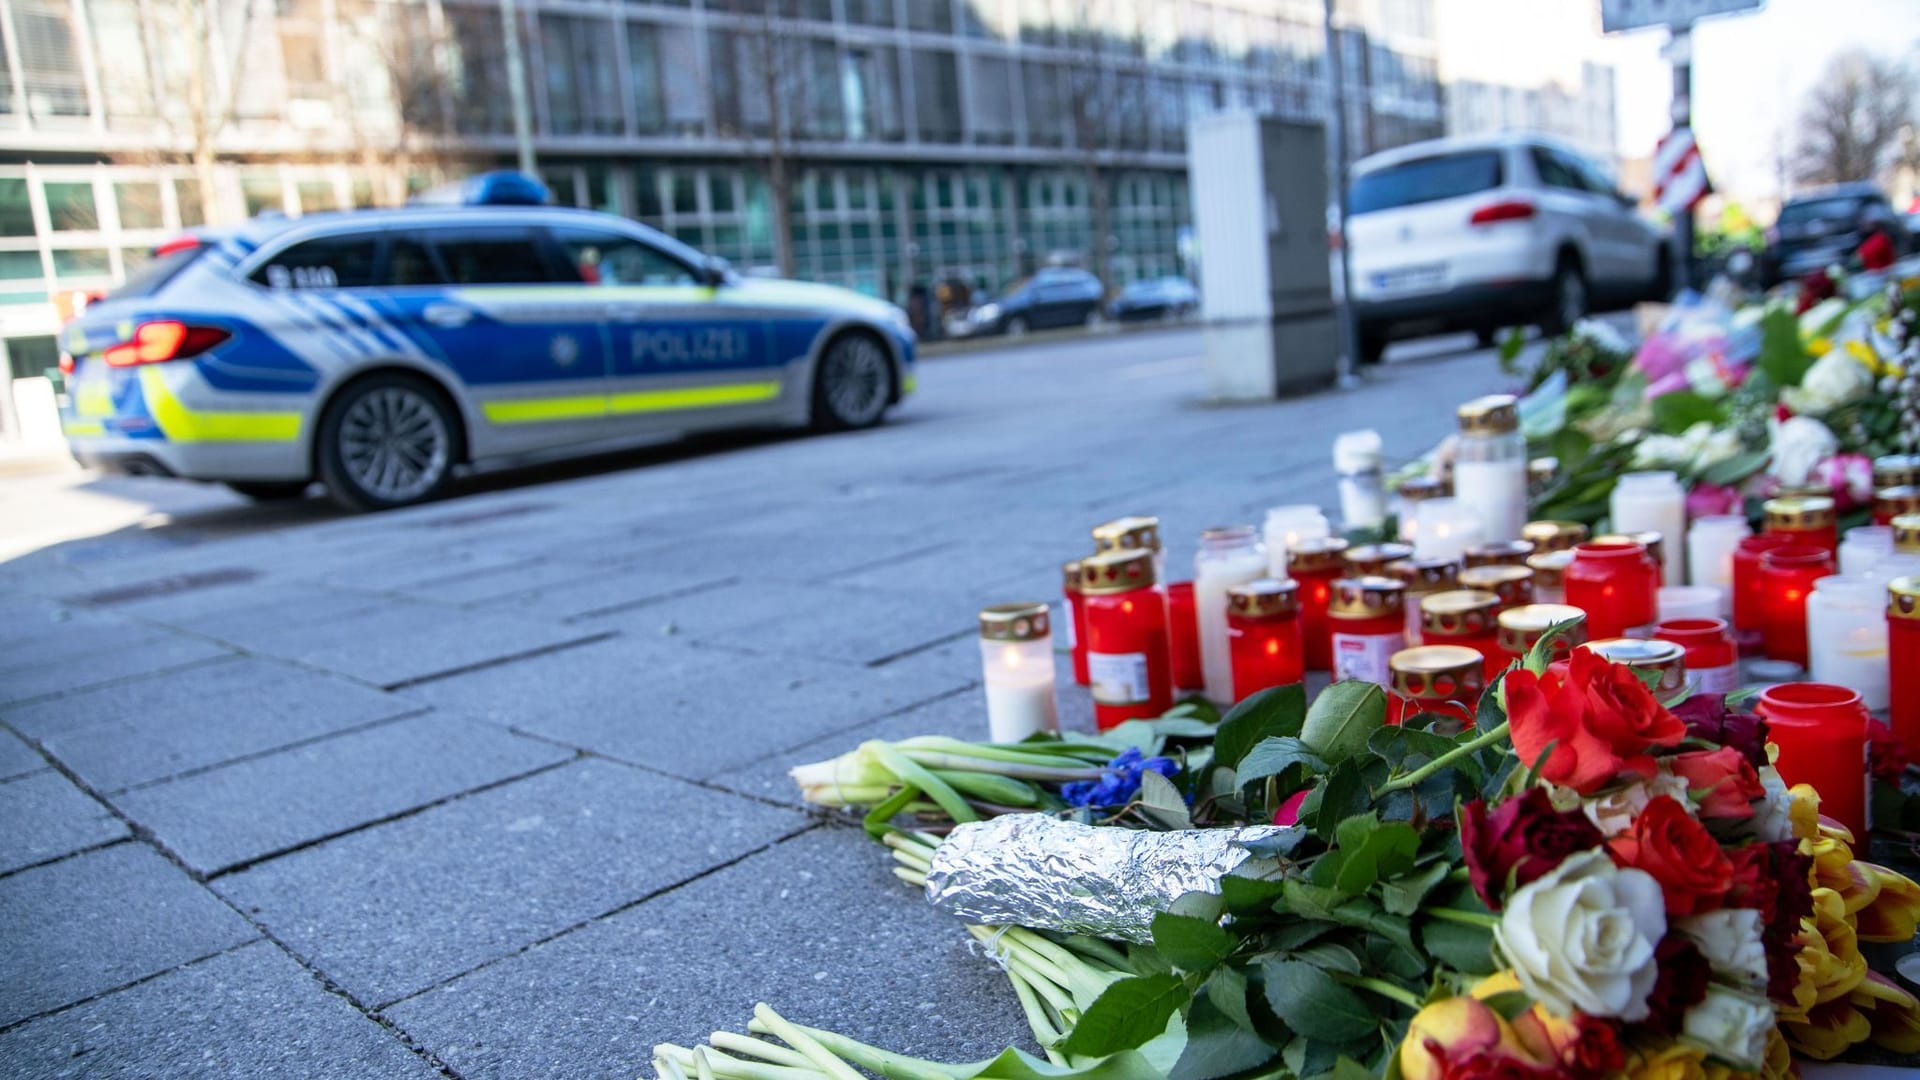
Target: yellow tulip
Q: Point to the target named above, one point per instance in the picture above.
(1828, 1030)
(1893, 1013)
(1894, 913)
(1456, 1026)
(1679, 1061)
(1779, 1064)
(1804, 812)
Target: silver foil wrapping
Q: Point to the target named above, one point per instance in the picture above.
(1038, 871)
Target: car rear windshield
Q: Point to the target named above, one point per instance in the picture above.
(1426, 180)
(1845, 207)
(149, 279)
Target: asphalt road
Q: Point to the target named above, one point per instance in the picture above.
(495, 787)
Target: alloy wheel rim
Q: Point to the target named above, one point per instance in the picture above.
(394, 444)
(857, 381)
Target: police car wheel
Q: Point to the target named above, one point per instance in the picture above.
(854, 385)
(268, 490)
(386, 442)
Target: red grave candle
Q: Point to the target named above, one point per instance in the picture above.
(1893, 502)
(1614, 582)
(1903, 655)
(1465, 618)
(1316, 565)
(1821, 730)
(1512, 584)
(1786, 577)
(1076, 620)
(1369, 625)
(1808, 519)
(1184, 634)
(1263, 636)
(1128, 664)
(1748, 600)
(1712, 662)
(1444, 679)
(1521, 627)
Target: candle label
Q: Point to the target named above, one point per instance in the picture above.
(1714, 680)
(1365, 656)
(1117, 678)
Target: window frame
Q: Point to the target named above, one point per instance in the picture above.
(695, 274)
(258, 265)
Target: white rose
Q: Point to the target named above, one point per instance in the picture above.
(1730, 940)
(1661, 451)
(1614, 811)
(1834, 380)
(1772, 818)
(1582, 937)
(1732, 1026)
(1798, 444)
(1721, 446)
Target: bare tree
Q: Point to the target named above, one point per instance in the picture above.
(762, 101)
(1851, 121)
(1106, 112)
(189, 59)
(414, 67)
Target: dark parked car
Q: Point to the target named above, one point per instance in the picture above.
(1157, 298)
(1827, 226)
(1054, 297)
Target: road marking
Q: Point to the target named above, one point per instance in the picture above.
(1156, 368)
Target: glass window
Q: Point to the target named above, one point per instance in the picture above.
(931, 15)
(331, 262)
(16, 215)
(646, 187)
(139, 203)
(49, 60)
(19, 265)
(363, 194)
(133, 260)
(870, 94)
(610, 258)
(720, 192)
(409, 263)
(643, 62)
(1555, 171)
(155, 273)
(30, 357)
(872, 12)
(581, 71)
(492, 257)
(81, 262)
(192, 210)
(70, 206)
(262, 194)
(317, 195)
(936, 85)
(686, 198)
(1425, 180)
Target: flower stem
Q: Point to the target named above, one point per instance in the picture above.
(1383, 988)
(1465, 918)
(1493, 735)
(805, 1043)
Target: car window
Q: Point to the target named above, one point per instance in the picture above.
(328, 262)
(1845, 207)
(410, 263)
(1556, 171)
(1425, 180)
(492, 257)
(601, 257)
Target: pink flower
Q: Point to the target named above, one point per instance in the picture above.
(1706, 500)
(1850, 476)
(1289, 812)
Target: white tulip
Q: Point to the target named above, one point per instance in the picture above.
(1732, 1026)
(1583, 935)
(1772, 818)
(1730, 940)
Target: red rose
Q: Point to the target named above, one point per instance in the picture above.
(1595, 1052)
(1754, 883)
(1723, 778)
(1878, 251)
(1680, 985)
(1521, 840)
(1601, 720)
(1497, 1066)
(1666, 842)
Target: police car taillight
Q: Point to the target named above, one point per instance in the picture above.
(163, 340)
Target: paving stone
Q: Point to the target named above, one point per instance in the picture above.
(407, 562)
(817, 927)
(250, 809)
(403, 642)
(233, 612)
(594, 591)
(832, 622)
(249, 1014)
(101, 653)
(100, 920)
(47, 817)
(389, 911)
(162, 725)
(667, 705)
(807, 556)
(17, 758)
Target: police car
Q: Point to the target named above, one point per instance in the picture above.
(378, 350)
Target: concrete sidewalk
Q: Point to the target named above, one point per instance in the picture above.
(495, 787)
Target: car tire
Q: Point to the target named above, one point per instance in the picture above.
(853, 384)
(1569, 298)
(1372, 343)
(1096, 318)
(1017, 326)
(387, 441)
(269, 490)
(1485, 336)
(1663, 278)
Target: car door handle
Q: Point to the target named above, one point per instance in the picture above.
(448, 316)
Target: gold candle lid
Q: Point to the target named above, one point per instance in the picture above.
(1896, 470)
(1550, 567)
(1798, 512)
(1438, 671)
(1425, 487)
(1521, 626)
(1315, 556)
(1457, 613)
(1903, 598)
(1906, 534)
(1367, 597)
(1541, 471)
(1512, 584)
(1365, 560)
(1264, 598)
(1647, 654)
(1116, 571)
(1140, 532)
(1649, 539)
(1553, 535)
(1492, 414)
(1896, 501)
(1425, 575)
(1812, 489)
(1070, 575)
(1499, 553)
(1025, 621)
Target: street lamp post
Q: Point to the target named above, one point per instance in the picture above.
(517, 87)
(1337, 118)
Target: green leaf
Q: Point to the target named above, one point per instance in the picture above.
(1278, 710)
(1015, 1064)
(1402, 895)
(1342, 718)
(1162, 802)
(1191, 944)
(1407, 747)
(1245, 894)
(1308, 999)
(1736, 468)
(1226, 989)
(1127, 1014)
(1466, 949)
(1373, 850)
(1339, 795)
(1675, 412)
(1219, 1043)
(1329, 956)
(1782, 356)
(1347, 1069)
(1273, 755)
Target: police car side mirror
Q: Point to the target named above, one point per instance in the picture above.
(714, 272)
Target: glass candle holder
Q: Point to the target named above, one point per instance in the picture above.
(1656, 546)
(1363, 493)
(1896, 470)
(1847, 637)
(1613, 581)
(1862, 547)
(1520, 628)
(1287, 526)
(1688, 602)
(1447, 528)
(1372, 560)
(1512, 584)
(1466, 618)
(1128, 655)
(1227, 557)
(1786, 580)
(1665, 659)
(1422, 577)
(1489, 469)
(1443, 679)
(1553, 535)
(1903, 659)
(1498, 553)
(1263, 632)
(1906, 534)
(1411, 494)
(1550, 575)
(1076, 621)
(1807, 519)
(1892, 502)
(1368, 624)
(1316, 565)
(1821, 731)
(1712, 662)
(1748, 599)
(1710, 545)
(1183, 635)
(1541, 473)
(1016, 655)
(1138, 532)
(1652, 502)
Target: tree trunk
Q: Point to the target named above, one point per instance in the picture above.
(1100, 203)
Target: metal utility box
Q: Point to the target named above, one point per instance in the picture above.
(1259, 189)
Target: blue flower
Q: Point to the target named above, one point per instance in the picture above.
(1119, 781)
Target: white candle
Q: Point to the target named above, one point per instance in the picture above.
(1446, 529)
(1016, 653)
(1863, 547)
(1653, 502)
(1363, 493)
(1689, 602)
(1286, 528)
(1847, 636)
(1496, 492)
(1227, 557)
(1710, 546)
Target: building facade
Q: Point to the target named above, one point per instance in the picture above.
(912, 142)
